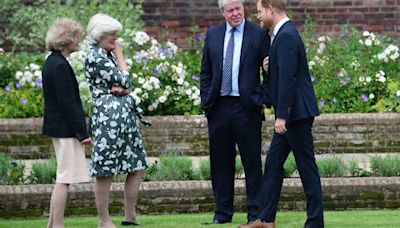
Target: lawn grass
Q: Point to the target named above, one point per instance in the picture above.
(342, 219)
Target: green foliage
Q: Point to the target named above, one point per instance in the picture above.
(43, 173)
(355, 72)
(21, 103)
(26, 33)
(205, 170)
(173, 167)
(238, 167)
(385, 166)
(11, 172)
(356, 171)
(331, 167)
(10, 63)
(290, 166)
(150, 174)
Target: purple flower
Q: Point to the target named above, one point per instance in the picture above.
(345, 81)
(334, 100)
(38, 81)
(24, 100)
(17, 85)
(364, 97)
(7, 88)
(199, 37)
(195, 77)
(322, 103)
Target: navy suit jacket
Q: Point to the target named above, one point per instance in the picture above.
(63, 112)
(255, 47)
(290, 89)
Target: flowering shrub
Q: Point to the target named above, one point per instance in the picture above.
(358, 72)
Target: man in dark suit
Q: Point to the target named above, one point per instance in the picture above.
(292, 96)
(231, 96)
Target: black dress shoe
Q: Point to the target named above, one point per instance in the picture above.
(217, 222)
(126, 223)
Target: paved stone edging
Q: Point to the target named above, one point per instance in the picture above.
(196, 196)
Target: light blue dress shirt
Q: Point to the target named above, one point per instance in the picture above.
(238, 37)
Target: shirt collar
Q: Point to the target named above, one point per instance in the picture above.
(239, 28)
(279, 25)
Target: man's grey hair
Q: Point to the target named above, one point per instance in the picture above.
(221, 3)
(101, 25)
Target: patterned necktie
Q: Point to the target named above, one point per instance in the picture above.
(226, 84)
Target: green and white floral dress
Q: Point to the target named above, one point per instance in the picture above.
(118, 145)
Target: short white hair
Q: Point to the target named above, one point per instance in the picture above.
(101, 25)
(222, 2)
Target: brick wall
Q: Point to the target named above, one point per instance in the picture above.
(174, 19)
(333, 133)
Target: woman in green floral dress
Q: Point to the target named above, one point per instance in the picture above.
(118, 145)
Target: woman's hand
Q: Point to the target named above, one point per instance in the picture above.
(118, 90)
(120, 56)
(265, 63)
(87, 141)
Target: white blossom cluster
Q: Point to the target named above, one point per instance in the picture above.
(30, 76)
(369, 39)
(391, 53)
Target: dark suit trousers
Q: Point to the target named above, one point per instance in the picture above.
(298, 139)
(231, 124)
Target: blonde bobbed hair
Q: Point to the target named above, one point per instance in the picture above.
(101, 25)
(61, 33)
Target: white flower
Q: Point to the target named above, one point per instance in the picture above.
(162, 99)
(394, 56)
(34, 66)
(141, 80)
(311, 64)
(371, 96)
(322, 39)
(366, 33)
(368, 79)
(141, 38)
(368, 42)
(382, 79)
(188, 92)
(1, 50)
(321, 48)
(398, 93)
(361, 79)
(18, 75)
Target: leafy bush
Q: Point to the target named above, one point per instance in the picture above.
(26, 33)
(11, 172)
(174, 167)
(150, 174)
(356, 171)
(355, 72)
(331, 167)
(290, 166)
(43, 173)
(205, 170)
(385, 166)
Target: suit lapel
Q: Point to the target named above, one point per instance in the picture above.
(277, 34)
(220, 47)
(245, 42)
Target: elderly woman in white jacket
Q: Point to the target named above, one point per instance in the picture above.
(117, 142)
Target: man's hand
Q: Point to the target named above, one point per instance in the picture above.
(87, 141)
(279, 126)
(265, 63)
